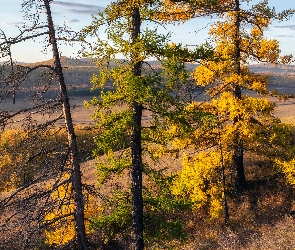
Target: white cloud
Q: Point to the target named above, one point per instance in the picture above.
(283, 36)
(78, 8)
(72, 20)
(14, 24)
(289, 27)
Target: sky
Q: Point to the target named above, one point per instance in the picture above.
(78, 13)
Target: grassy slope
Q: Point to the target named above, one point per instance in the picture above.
(259, 219)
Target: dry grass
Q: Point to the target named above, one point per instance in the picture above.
(80, 115)
(285, 110)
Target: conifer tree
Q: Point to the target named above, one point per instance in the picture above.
(241, 118)
(236, 48)
(132, 87)
(76, 172)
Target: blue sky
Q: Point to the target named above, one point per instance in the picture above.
(77, 14)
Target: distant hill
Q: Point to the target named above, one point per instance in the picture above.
(268, 67)
(281, 77)
(65, 61)
(78, 73)
(86, 62)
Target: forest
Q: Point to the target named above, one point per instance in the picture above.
(172, 147)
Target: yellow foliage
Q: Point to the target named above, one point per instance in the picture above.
(174, 11)
(203, 75)
(199, 180)
(242, 120)
(62, 229)
(288, 168)
(19, 149)
(222, 74)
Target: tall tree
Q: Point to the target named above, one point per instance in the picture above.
(136, 151)
(240, 119)
(238, 173)
(131, 87)
(76, 172)
(237, 47)
(126, 16)
(233, 30)
(71, 155)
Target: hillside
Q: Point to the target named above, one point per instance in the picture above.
(282, 77)
(280, 74)
(78, 73)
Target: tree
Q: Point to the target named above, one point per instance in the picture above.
(131, 87)
(76, 172)
(70, 156)
(242, 121)
(237, 48)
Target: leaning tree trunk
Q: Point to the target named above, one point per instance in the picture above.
(136, 188)
(239, 181)
(76, 173)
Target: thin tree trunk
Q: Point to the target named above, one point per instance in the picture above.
(239, 180)
(76, 173)
(136, 186)
(12, 76)
(223, 180)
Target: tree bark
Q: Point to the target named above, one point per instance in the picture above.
(136, 151)
(223, 180)
(76, 173)
(239, 180)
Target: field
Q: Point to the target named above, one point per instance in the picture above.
(80, 114)
(285, 110)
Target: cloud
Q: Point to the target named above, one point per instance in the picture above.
(72, 20)
(283, 36)
(56, 13)
(78, 8)
(13, 24)
(87, 12)
(289, 27)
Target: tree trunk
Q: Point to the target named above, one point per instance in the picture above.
(76, 173)
(136, 186)
(223, 180)
(239, 180)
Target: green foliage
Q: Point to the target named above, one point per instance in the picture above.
(159, 196)
(159, 229)
(160, 92)
(162, 95)
(160, 213)
(112, 164)
(115, 218)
